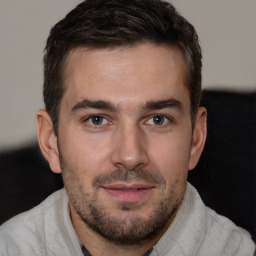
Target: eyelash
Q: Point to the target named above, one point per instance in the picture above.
(105, 121)
(164, 122)
(87, 120)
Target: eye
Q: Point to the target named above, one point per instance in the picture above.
(158, 120)
(96, 120)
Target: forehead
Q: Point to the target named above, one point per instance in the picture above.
(139, 73)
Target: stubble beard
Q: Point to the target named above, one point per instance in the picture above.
(129, 227)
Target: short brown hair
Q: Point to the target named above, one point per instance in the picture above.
(113, 23)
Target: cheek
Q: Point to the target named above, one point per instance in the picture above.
(87, 154)
(170, 155)
(171, 159)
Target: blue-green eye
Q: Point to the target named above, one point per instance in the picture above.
(158, 120)
(97, 120)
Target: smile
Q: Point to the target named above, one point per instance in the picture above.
(128, 192)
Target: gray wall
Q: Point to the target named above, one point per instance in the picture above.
(227, 31)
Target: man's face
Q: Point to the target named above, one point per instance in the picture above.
(125, 139)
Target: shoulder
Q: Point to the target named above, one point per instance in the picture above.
(26, 230)
(223, 235)
(212, 233)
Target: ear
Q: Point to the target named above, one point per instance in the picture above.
(47, 140)
(198, 137)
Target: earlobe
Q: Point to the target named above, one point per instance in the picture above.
(47, 140)
(198, 137)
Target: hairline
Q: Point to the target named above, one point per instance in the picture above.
(72, 49)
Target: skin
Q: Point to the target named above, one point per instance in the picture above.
(141, 137)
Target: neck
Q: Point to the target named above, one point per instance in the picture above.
(98, 245)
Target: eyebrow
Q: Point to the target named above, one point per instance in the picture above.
(97, 104)
(161, 104)
(150, 105)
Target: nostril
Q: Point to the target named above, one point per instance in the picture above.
(130, 166)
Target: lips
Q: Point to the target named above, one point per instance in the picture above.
(128, 192)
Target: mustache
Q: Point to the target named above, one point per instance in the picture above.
(125, 175)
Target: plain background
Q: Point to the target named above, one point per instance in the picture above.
(226, 28)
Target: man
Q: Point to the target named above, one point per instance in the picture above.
(122, 124)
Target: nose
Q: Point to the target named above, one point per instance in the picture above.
(129, 149)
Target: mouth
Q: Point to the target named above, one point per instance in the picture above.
(128, 192)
